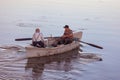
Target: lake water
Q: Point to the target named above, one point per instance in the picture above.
(98, 19)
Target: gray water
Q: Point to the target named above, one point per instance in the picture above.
(98, 19)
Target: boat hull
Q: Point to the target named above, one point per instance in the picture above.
(37, 52)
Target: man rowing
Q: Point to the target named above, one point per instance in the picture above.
(66, 38)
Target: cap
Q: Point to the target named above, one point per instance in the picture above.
(66, 26)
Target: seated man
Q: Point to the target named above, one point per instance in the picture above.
(67, 36)
(38, 39)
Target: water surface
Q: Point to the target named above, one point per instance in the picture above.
(98, 19)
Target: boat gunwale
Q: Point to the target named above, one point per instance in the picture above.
(50, 48)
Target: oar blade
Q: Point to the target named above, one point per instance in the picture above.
(94, 45)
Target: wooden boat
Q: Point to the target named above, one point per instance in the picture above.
(37, 52)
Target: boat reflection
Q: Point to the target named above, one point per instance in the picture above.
(60, 62)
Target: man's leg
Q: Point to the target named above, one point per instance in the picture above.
(68, 41)
(41, 44)
(34, 43)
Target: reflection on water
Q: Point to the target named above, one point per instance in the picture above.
(61, 62)
(50, 67)
(15, 65)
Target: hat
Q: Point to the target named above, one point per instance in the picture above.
(66, 26)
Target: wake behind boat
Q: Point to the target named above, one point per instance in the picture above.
(32, 51)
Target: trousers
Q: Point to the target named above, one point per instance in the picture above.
(39, 44)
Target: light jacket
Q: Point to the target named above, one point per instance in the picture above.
(37, 37)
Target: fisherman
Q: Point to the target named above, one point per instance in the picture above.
(38, 39)
(67, 37)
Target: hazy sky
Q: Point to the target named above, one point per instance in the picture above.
(61, 7)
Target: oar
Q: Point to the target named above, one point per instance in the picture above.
(92, 45)
(24, 39)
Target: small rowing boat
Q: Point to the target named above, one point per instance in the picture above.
(32, 51)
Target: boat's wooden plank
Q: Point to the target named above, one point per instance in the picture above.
(77, 35)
